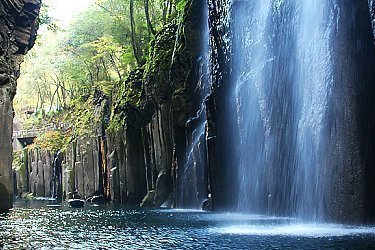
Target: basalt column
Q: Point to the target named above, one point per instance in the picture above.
(18, 27)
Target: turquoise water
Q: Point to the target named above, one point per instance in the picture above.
(42, 225)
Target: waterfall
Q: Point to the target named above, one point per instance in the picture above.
(193, 177)
(292, 132)
(372, 12)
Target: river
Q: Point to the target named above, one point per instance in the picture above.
(44, 225)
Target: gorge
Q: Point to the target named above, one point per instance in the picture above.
(258, 107)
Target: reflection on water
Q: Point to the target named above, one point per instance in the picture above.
(44, 225)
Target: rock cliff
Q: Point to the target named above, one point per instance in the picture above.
(18, 26)
(141, 139)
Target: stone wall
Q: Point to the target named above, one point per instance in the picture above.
(17, 35)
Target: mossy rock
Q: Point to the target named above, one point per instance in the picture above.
(157, 70)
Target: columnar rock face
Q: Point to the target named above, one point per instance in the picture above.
(150, 147)
(221, 174)
(36, 173)
(143, 153)
(17, 35)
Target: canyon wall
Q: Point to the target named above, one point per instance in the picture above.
(18, 26)
(136, 152)
(221, 174)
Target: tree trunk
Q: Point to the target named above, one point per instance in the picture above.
(134, 39)
(147, 13)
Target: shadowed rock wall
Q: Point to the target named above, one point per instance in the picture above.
(220, 171)
(17, 35)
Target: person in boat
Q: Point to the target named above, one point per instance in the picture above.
(76, 200)
(76, 195)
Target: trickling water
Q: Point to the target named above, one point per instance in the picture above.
(372, 12)
(193, 177)
(282, 86)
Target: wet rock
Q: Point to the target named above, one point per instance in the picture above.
(163, 188)
(207, 204)
(5, 198)
(219, 160)
(169, 203)
(17, 35)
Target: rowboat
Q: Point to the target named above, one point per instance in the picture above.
(76, 203)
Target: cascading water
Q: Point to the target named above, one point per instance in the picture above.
(193, 189)
(372, 11)
(287, 118)
(193, 181)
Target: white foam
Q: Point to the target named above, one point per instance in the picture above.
(306, 230)
(246, 217)
(180, 210)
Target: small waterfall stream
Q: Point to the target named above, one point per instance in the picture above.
(193, 180)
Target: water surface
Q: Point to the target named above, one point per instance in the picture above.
(43, 225)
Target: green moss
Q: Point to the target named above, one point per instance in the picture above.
(52, 140)
(158, 66)
(17, 160)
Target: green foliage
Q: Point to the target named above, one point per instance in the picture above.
(130, 94)
(44, 17)
(19, 164)
(82, 117)
(71, 73)
(181, 4)
(52, 140)
(18, 160)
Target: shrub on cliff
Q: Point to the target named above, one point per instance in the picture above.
(52, 140)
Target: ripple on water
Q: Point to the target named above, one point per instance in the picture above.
(38, 226)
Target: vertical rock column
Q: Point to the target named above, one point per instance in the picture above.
(219, 150)
(17, 35)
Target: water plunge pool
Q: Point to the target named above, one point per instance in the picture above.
(44, 225)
